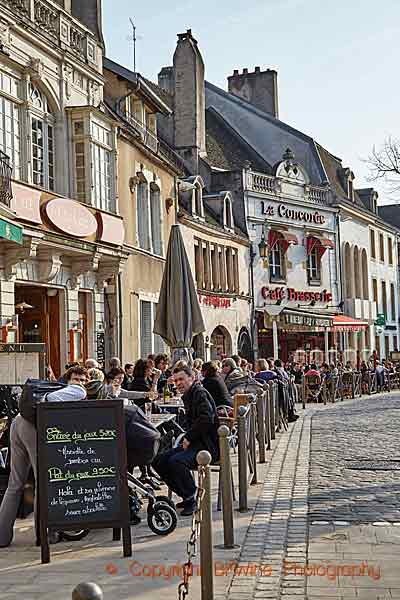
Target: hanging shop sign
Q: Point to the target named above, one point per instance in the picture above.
(11, 232)
(293, 295)
(215, 301)
(293, 214)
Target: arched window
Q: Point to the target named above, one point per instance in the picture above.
(228, 214)
(42, 139)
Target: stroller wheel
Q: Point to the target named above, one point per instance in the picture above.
(165, 500)
(74, 536)
(162, 518)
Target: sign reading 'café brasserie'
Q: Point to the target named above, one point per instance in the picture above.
(292, 214)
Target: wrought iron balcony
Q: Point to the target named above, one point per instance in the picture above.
(5, 179)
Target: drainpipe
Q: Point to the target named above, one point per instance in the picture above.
(119, 315)
(253, 307)
(339, 254)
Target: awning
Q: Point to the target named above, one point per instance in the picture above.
(323, 244)
(282, 237)
(343, 323)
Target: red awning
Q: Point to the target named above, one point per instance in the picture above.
(282, 237)
(347, 324)
(321, 243)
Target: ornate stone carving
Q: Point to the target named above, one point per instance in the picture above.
(35, 69)
(108, 270)
(49, 267)
(83, 265)
(94, 93)
(68, 73)
(5, 38)
(15, 256)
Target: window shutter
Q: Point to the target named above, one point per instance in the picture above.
(155, 208)
(142, 215)
(159, 344)
(146, 328)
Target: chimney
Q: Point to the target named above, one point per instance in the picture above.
(166, 79)
(189, 106)
(89, 13)
(260, 88)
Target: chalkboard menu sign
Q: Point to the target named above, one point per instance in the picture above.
(100, 348)
(82, 468)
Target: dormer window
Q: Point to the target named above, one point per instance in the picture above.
(228, 213)
(197, 199)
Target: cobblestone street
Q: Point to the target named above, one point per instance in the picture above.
(317, 526)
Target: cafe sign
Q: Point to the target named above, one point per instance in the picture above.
(305, 320)
(293, 295)
(71, 217)
(313, 217)
(215, 301)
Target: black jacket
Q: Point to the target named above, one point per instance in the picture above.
(201, 420)
(215, 385)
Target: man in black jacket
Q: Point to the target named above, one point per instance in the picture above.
(174, 466)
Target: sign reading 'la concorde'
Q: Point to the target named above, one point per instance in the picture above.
(292, 214)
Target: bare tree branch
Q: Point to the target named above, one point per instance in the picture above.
(384, 164)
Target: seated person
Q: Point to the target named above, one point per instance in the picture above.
(215, 385)
(128, 376)
(263, 371)
(174, 466)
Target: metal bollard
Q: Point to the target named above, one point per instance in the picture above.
(206, 547)
(272, 411)
(226, 487)
(87, 591)
(267, 426)
(253, 446)
(242, 452)
(261, 426)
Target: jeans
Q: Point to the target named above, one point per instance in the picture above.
(174, 467)
(23, 456)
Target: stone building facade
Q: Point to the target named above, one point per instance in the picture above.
(67, 235)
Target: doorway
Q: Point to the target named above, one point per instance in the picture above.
(38, 311)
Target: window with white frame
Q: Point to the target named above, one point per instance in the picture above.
(93, 144)
(10, 135)
(156, 219)
(276, 263)
(150, 343)
(42, 139)
(314, 265)
(101, 156)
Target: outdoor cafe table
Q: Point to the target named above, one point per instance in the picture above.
(158, 419)
(173, 406)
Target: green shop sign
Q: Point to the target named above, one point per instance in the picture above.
(380, 320)
(11, 232)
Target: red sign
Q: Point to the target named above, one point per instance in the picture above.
(215, 301)
(293, 295)
(71, 217)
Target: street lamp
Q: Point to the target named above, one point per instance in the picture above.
(263, 247)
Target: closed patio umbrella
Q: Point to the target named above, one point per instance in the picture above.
(178, 319)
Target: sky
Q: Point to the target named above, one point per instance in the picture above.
(337, 62)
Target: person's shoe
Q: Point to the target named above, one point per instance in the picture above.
(180, 504)
(135, 519)
(188, 509)
(54, 537)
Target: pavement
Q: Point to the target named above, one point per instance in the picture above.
(323, 523)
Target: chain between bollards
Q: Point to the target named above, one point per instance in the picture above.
(87, 591)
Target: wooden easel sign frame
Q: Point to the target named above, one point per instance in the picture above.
(82, 470)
